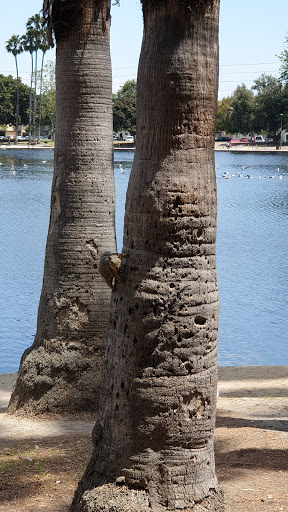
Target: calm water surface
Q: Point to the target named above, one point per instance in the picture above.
(251, 251)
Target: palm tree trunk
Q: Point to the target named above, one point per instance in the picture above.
(30, 100)
(40, 97)
(17, 102)
(61, 372)
(34, 100)
(153, 441)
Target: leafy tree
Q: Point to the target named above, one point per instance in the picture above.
(269, 103)
(48, 104)
(124, 108)
(14, 46)
(8, 100)
(223, 114)
(242, 117)
(284, 66)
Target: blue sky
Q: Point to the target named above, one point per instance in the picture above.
(252, 34)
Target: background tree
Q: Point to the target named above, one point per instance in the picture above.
(284, 59)
(242, 117)
(29, 46)
(14, 46)
(153, 440)
(61, 372)
(34, 26)
(269, 103)
(8, 100)
(124, 108)
(48, 106)
(223, 114)
(44, 47)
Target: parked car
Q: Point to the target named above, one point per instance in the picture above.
(222, 139)
(129, 138)
(244, 139)
(259, 138)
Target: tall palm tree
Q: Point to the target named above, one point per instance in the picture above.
(61, 372)
(28, 42)
(34, 26)
(44, 47)
(153, 440)
(14, 46)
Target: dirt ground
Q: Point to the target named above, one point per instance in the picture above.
(41, 461)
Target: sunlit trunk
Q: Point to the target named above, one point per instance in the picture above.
(61, 372)
(153, 441)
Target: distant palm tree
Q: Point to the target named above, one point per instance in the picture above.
(43, 46)
(29, 46)
(34, 26)
(14, 46)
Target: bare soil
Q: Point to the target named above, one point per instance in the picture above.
(41, 461)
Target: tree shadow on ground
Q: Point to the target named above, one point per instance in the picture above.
(242, 392)
(267, 424)
(248, 459)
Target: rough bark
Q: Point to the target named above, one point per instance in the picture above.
(61, 372)
(153, 441)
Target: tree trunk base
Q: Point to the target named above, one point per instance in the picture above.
(64, 382)
(115, 498)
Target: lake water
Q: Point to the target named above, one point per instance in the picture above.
(251, 251)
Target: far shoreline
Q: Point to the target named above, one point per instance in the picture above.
(246, 148)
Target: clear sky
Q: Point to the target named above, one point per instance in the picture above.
(252, 34)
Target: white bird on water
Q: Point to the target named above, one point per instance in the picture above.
(121, 168)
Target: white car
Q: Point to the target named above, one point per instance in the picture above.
(129, 138)
(259, 138)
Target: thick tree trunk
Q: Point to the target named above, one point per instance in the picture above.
(153, 441)
(61, 372)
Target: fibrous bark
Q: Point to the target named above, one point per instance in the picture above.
(153, 441)
(61, 372)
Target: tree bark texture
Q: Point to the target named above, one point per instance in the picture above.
(153, 440)
(61, 372)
